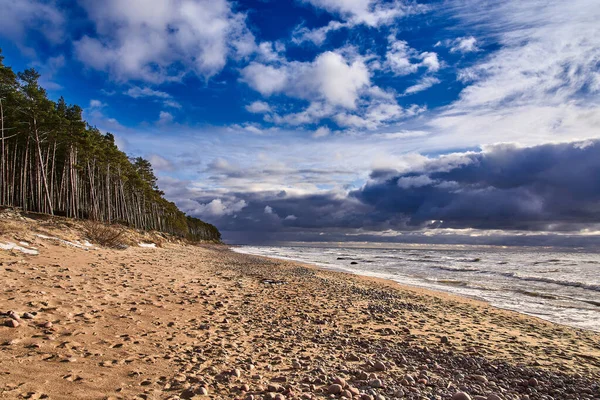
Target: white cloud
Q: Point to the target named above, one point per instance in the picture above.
(322, 131)
(172, 104)
(376, 115)
(137, 92)
(373, 13)
(265, 79)
(369, 12)
(218, 207)
(268, 210)
(315, 112)
(17, 17)
(258, 107)
(404, 60)
(414, 181)
(464, 45)
(539, 86)
(160, 163)
(269, 52)
(96, 104)
(423, 84)
(330, 77)
(318, 35)
(161, 40)
(165, 118)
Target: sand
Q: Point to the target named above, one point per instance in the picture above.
(182, 321)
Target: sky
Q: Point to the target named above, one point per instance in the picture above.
(448, 121)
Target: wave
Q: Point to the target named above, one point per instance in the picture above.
(452, 282)
(592, 302)
(536, 294)
(587, 286)
(456, 269)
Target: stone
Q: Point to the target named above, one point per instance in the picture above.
(27, 316)
(11, 323)
(340, 381)
(461, 396)
(335, 389)
(13, 315)
(202, 391)
(379, 366)
(375, 383)
(273, 388)
(532, 382)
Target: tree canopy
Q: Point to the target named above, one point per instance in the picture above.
(54, 162)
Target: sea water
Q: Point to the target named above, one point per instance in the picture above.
(561, 286)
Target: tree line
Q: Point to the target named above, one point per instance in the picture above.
(52, 161)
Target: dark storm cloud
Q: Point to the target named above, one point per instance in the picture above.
(549, 188)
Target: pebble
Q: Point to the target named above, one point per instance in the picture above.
(379, 366)
(461, 396)
(376, 383)
(340, 381)
(13, 315)
(532, 382)
(335, 389)
(202, 391)
(11, 323)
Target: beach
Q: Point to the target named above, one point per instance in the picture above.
(181, 321)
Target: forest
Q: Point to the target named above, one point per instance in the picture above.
(52, 161)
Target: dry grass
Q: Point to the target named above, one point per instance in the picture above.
(104, 235)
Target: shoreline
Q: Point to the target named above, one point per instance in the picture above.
(419, 286)
(422, 290)
(179, 321)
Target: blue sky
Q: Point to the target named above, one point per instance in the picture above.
(272, 115)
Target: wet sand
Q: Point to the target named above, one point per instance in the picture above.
(183, 321)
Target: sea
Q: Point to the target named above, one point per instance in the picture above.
(557, 285)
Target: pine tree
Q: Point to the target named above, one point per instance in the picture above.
(54, 162)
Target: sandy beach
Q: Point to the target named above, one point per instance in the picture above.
(181, 321)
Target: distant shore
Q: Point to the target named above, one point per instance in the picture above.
(181, 321)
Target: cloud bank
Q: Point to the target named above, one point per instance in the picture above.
(533, 191)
